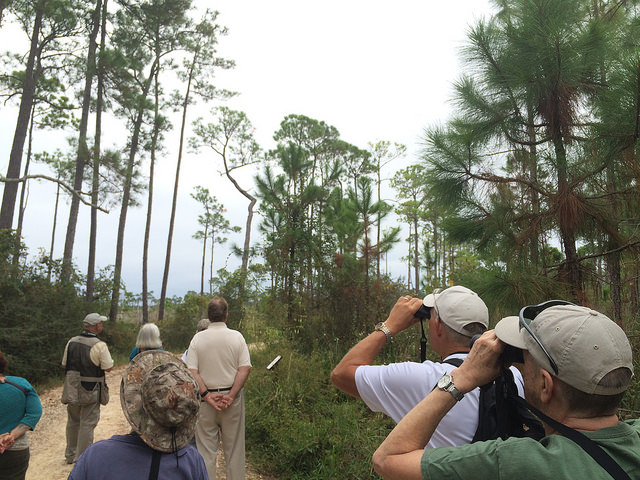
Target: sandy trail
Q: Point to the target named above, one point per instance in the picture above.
(47, 442)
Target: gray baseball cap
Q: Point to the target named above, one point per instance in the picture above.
(94, 319)
(458, 307)
(585, 345)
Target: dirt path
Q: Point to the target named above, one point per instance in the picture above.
(47, 442)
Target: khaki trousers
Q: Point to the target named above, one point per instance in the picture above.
(81, 421)
(227, 426)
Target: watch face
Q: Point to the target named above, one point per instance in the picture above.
(444, 381)
(379, 325)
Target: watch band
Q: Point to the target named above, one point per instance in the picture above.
(381, 327)
(446, 383)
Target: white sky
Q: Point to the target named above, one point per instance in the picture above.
(376, 70)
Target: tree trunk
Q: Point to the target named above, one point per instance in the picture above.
(213, 243)
(204, 256)
(83, 150)
(247, 242)
(93, 233)
(147, 228)
(172, 219)
(23, 189)
(566, 221)
(135, 138)
(53, 229)
(535, 242)
(247, 231)
(416, 256)
(22, 125)
(3, 4)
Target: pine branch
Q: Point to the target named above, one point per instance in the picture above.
(64, 185)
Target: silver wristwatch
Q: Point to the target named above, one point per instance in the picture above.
(383, 328)
(446, 383)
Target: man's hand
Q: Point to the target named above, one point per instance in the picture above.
(482, 365)
(216, 400)
(228, 398)
(402, 315)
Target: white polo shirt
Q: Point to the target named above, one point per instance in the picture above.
(396, 388)
(216, 353)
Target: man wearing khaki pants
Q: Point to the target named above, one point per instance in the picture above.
(219, 359)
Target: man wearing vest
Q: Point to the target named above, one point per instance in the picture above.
(86, 359)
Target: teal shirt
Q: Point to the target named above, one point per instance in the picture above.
(554, 457)
(16, 407)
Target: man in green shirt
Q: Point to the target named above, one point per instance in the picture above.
(577, 367)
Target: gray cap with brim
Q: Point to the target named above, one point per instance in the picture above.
(94, 319)
(586, 345)
(458, 307)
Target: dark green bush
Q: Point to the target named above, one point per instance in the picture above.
(179, 325)
(301, 427)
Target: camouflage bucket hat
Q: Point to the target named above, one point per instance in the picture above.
(160, 400)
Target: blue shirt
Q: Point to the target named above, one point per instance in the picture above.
(137, 350)
(127, 456)
(17, 407)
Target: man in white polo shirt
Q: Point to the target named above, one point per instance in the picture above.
(456, 315)
(219, 359)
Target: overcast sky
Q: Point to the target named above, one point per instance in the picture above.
(375, 70)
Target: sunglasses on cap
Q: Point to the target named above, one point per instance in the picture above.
(529, 313)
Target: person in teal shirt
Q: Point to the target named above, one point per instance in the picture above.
(148, 339)
(577, 368)
(20, 411)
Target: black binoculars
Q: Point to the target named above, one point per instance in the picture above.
(509, 355)
(423, 312)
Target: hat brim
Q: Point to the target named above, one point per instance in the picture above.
(508, 331)
(430, 300)
(155, 435)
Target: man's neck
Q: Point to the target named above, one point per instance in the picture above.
(451, 350)
(591, 424)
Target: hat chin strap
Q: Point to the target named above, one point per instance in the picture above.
(174, 444)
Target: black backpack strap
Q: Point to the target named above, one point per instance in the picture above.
(588, 445)
(19, 387)
(155, 465)
(456, 362)
(423, 343)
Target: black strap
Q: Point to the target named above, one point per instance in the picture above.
(19, 387)
(423, 343)
(588, 445)
(456, 362)
(155, 465)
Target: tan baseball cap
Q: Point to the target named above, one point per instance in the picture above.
(94, 319)
(458, 307)
(585, 345)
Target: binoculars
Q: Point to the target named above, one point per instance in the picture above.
(423, 312)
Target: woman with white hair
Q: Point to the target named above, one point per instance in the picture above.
(148, 339)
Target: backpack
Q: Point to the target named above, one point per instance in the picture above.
(500, 414)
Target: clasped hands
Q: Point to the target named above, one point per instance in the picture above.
(219, 401)
(6, 441)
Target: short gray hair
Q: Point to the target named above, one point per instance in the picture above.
(149, 336)
(203, 325)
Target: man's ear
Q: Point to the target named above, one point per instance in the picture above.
(547, 386)
(439, 326)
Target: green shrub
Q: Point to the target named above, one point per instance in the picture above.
(301, 427)
(179, 325)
